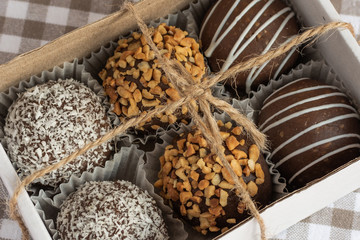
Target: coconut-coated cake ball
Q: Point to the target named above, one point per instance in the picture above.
(110, 210)
(50, 121)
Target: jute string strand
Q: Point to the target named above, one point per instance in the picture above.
(215, 140)
(207, 125)
(204, 98)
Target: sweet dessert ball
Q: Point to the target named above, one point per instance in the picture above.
(110, 210)
(135, 83)
(313, 129)
(197, 186)
(234, 31)
(49, 122)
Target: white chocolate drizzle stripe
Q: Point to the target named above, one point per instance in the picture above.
(283, 63)
(215, 41)
(307, 100)
(356, 145)
(235, 54)
(276, 90)
(295, 92)
(281, 66)
(313, 145)
(214, 44)
(305, 111)
(320, 124)
(208, 17)
(251, 78)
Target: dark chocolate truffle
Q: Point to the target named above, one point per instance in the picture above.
(200, 189)
(234, 31)
(313, 129)
(135, 83)
(110, 210)
(49, 122)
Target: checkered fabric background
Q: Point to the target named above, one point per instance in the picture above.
(28, 24)
(338, 221)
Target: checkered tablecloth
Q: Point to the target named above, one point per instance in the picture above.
(28, 24)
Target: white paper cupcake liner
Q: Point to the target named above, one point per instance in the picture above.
(69, 70)
(152, 165)
(127, 165)
(196, 13)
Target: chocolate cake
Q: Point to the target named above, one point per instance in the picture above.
(313, 129)
(194, 182)
(234, 31)
(110, 210)
(135, 83)
(49, 122)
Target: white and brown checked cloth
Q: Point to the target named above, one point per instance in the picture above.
(28, 24)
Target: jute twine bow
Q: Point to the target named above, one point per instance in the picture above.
(188, 91)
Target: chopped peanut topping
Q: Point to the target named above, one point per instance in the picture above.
(133, 73)
(232, 143)
(196, 178)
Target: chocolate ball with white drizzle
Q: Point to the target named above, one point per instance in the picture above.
(234, 31)
(312, 128)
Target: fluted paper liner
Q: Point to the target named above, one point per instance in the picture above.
(126, 165)
(196, 13)
(69, 70)
(152, 165)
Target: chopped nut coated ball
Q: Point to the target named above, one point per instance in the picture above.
(198, 186)
(135, 83)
